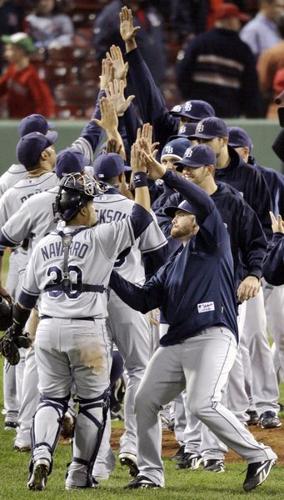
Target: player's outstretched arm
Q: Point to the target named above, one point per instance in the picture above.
(127, 29)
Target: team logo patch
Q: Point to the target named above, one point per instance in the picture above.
(168, 149)
(205, 307)
(176, 109)
(199, 127)
(188, 153)
(188, 106)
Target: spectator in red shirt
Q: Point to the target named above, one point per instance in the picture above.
(25, 92)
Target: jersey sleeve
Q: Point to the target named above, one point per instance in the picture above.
(152, 238)
(30, 289)
(18, 227)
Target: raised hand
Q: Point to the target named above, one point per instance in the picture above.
(109, 120)
(137, 161)
(115, 92)
(120, 68)
(277, 223)
(107, 74)
(155, 169)
(127, 29)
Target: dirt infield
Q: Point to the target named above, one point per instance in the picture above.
(272, 437)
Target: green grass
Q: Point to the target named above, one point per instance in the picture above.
(192, 485)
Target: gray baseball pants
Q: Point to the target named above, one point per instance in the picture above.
(201, 365)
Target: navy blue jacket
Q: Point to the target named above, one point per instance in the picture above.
(275, 183)
(251, 184)
(149, 99)
(273, 269)
(248, 241)
(219, 68)
(195, 288)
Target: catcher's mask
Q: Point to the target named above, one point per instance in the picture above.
(75, 191)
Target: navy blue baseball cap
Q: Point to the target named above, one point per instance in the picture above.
(239, 138)
(36, 123)
(109, 165)
(193, 109)
(186, 130)
(197, 156)
(185, 206)
(211, 127)
(30, 147)
(69, 161)
(176, 148)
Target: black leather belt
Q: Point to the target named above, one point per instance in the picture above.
(83, 318)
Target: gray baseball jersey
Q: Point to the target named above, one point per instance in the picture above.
(91, 258)
(12, 199)
(114, 208)
(13, 175)
(34, 220)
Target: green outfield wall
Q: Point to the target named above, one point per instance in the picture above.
(262, 132)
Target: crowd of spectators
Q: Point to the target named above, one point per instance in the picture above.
(186, 43)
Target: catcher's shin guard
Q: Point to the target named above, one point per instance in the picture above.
(46, 426)
(88, 435)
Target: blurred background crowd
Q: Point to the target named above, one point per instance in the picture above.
(51, 50)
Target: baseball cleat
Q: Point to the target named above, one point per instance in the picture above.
(257, 473)
(38, 478)
(253, 417)
(179, 454)
(93, 483)
(214, 465)
(269, 420)
(129, 460)
(189, 461)
(142, 482)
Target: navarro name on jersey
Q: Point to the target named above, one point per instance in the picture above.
(56, 250)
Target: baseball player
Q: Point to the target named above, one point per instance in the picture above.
(70, 270)
(16, 172)
(251, 183)
(248, 246)
(85, 144)
(273, 296)
(199, 278)
(129, 329)
(31, 222)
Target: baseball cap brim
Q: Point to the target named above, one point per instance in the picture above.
(184, 163)
(171, 211)
(52, 136)
(201, 136)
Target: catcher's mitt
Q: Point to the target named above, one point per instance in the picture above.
(10, 343)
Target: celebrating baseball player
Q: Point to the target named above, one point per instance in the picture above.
(184, 358)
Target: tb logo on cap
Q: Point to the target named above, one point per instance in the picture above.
(177, 108)
(188, 153)
(168, 149)
(188, 106)
(200, 127)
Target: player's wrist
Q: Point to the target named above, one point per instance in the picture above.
(140, 179)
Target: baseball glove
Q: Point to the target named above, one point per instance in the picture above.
(10, 343)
